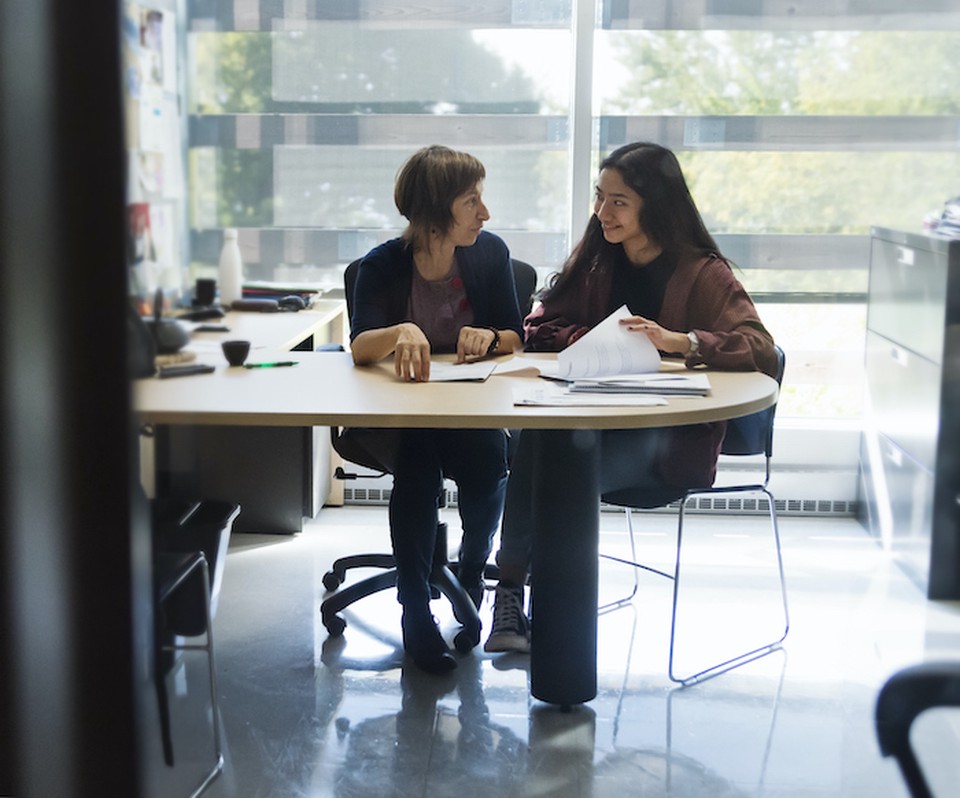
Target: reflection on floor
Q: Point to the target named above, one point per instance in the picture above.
(304, 715)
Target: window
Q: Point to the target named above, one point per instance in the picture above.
(299, 123)
(799, 128)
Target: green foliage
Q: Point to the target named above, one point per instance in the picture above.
(762, 73)
(335, 69)
(819, 192)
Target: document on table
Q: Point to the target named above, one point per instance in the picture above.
(665, 383)
(474, 371)
(608, 349)
(546, 394)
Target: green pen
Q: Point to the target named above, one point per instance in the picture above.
(270, 365)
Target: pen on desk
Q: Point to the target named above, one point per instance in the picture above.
(270, 365)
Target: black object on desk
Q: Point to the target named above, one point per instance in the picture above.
(202, 314)
(185, 370)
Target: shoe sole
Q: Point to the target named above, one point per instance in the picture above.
(502, 644)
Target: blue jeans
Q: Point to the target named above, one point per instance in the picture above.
(628, 459)
(476, 460)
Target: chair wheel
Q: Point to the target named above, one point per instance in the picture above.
(335, 625)
(466, 639)
(331, 580)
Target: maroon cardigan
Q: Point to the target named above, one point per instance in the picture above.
(702, 296)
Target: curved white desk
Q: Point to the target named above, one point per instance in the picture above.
(326, 389)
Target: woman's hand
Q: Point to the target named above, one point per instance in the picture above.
(474, 342)
(665, 340)
(411, 359)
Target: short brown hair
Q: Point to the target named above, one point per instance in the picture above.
(426, 186)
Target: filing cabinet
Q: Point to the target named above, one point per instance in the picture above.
(909, 460)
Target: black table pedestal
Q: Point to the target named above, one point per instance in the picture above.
(563, 657)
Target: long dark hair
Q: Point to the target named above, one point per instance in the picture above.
(426, 186)
(668, 216)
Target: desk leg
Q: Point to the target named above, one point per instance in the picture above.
(566, 493)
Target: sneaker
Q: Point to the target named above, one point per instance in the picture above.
(511, 628)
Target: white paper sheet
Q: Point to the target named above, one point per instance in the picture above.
(546, 394)
(609, 348)
(512, 365)
(476, 371)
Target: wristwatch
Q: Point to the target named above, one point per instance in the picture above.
(495, 343)
(694, 344)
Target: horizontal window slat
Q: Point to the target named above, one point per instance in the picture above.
(268, 15)
(546, 250)
(781, 15)
(721, 133)
(786, 133)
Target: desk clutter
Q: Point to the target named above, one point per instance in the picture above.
(174, 359)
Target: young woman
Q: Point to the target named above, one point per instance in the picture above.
(646, 247)
(444, 286)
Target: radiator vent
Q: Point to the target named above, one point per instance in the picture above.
(702, 504)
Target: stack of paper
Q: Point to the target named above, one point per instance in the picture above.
(547, 395)
(610, 365)
(695, 384)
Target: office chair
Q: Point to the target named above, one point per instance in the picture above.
(361, 448)
(525, 278)
(749, 435)
(190, 541)
(903, 697)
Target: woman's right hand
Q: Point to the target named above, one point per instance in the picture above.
(411, 359)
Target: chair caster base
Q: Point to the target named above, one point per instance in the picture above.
(334, 625)
(466, 640)
(332, 580)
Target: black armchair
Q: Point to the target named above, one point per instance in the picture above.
(190, 541)
(905, 695)
(354, 446)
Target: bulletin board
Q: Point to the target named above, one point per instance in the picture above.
(156, 191)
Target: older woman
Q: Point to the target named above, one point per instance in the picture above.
(444, 286)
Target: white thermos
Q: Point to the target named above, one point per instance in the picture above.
(231, 269)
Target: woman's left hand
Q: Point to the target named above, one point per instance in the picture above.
(473, 342)
(665, 340)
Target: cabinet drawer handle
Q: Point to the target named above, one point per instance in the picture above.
(905, 256)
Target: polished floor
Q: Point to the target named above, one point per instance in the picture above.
(307, 715)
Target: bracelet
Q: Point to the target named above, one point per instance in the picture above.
(495, 343)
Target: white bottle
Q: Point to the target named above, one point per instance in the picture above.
(231, 269)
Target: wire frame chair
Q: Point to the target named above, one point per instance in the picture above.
(749, 435)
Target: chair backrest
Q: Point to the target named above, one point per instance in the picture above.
(753, 434)
(525, 280)
(349, 282)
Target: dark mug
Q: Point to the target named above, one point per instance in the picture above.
(204, 292)
(236, 351)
